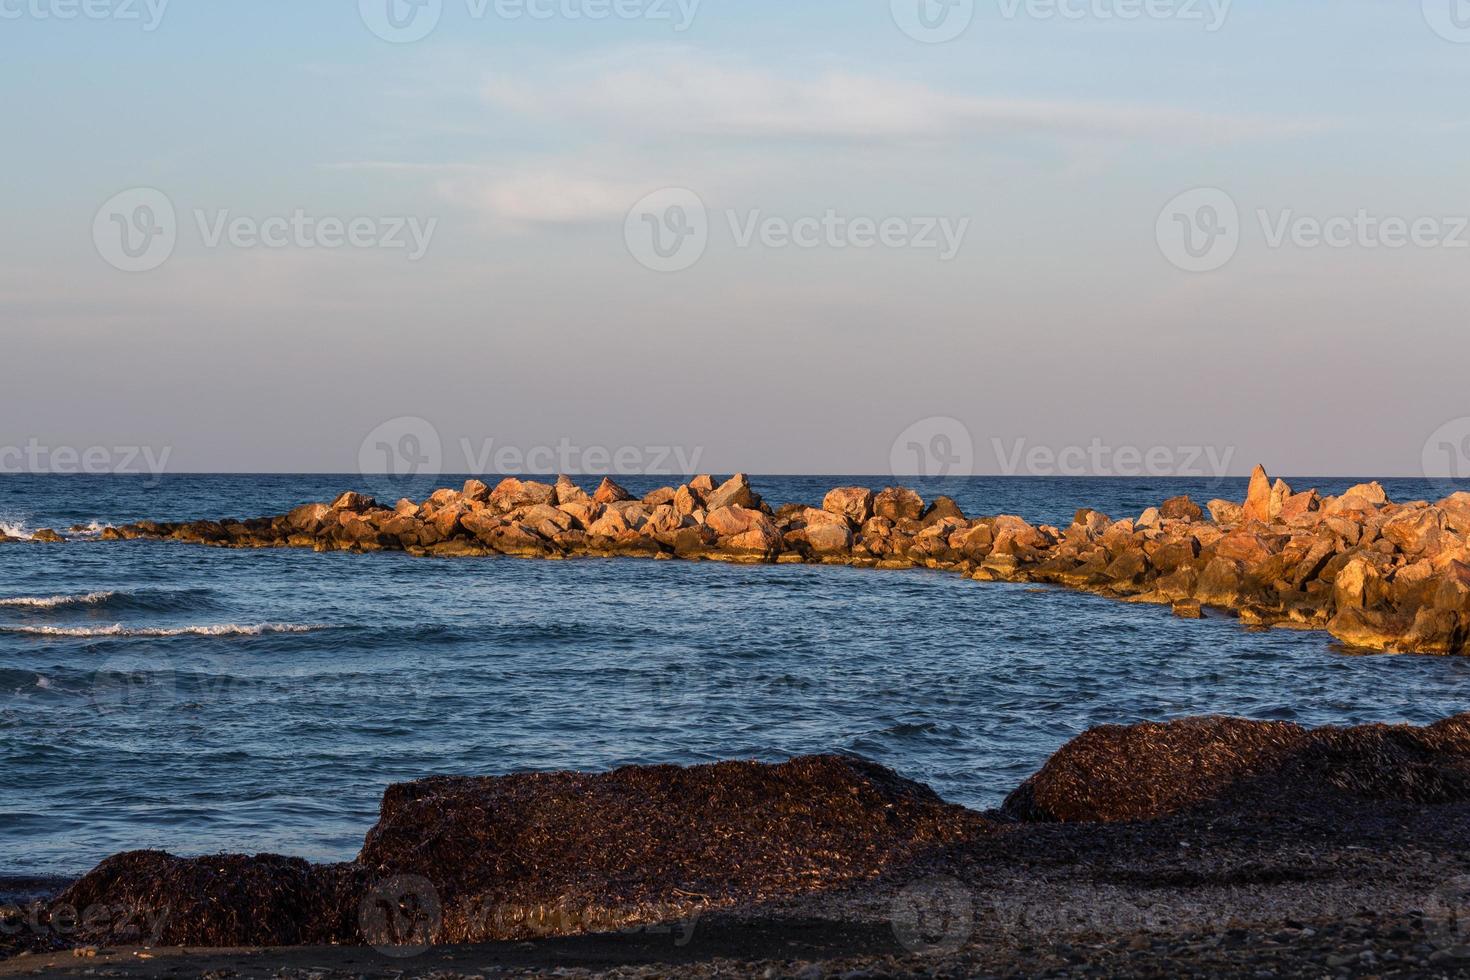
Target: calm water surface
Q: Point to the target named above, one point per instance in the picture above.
(164, 695)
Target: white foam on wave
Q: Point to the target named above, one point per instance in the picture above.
(222, 629)
(14, 529)
(58, 601)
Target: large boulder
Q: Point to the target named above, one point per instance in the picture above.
(1356, 583)
(898, 503)
(1226, 512)
(853, 503)
(1016, 536)
(511, 494)
(1363, 498)
(1415, 532)
(742, 530)
(734, 492)
(309, 518)
(1246, 546)
(1456, 509)
(353, 501)
(666, 519)
(567, 492)
(608, 492)
(1258, 498)
(1181, 509)
(827, 533)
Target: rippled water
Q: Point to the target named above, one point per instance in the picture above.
(164, 695)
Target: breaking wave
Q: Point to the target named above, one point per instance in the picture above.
(59, 601)
(146, 600)
(222, 629)
(14, 529)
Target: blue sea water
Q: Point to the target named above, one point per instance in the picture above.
(201, 700)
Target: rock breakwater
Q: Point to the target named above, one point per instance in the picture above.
(1376, 574)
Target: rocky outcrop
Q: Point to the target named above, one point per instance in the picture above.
(1377, 575)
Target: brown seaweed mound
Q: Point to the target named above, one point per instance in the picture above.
(529, 854)
(153, 898)
(474, 859)
(1142, 772)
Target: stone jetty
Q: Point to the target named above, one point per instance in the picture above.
(1376, 574)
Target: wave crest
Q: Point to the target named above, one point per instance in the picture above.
(59, 601)
(221, 629)
(14, 529)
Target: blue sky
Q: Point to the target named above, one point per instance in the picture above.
(530, 319)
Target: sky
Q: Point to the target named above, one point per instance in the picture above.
(1029, 237)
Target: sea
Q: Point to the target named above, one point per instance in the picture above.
(200, 701)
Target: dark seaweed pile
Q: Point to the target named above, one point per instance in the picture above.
(477, 859)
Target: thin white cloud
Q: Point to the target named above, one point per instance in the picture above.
(543, 197)
(674, 93)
